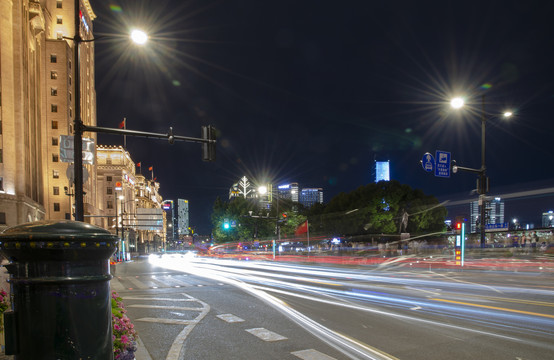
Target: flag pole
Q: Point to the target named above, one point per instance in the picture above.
(124, 136)
(308, 231)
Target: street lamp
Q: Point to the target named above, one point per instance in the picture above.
(483, 183)
(140, 38)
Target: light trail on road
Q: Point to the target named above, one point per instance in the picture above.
(510, 314)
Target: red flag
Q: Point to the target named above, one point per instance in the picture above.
(155, 178)
(150, 168)
(122, 124)
(302, 229)
(138, 164)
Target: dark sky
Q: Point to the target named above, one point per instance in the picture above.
(313, 91)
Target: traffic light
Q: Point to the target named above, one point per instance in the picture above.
(226, 225)
(284, 217)
(458, 226)
(208, 148)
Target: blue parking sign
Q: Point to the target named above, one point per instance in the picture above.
(442, 164)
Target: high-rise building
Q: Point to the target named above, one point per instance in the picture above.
(310, 196)
(381, 171)
(37, 107)
(289, 191)
(548, 219)
(494, 210)
(183, 217)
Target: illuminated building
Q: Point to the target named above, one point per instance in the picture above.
(183, 217)
(38, 106)
(494, 210)
(289, 191)
(381, 171)
(310, 196)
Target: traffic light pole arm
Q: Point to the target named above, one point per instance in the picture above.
(168, 136)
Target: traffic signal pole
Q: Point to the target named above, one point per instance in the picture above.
(208, 151)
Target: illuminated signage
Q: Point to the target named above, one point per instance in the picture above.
(167, 206)
(118, 185)
(284, 186)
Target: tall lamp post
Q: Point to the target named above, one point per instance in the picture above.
(138, 37)
(483, 180)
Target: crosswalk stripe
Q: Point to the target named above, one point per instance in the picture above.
(230, 318)
(155, 299)
(136, 282)
(169, 321)
(311, 354)
(142, 306)
(266, 335)
(116, 284)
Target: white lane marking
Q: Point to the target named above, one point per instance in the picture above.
(172, 281)
(169, 321)
(143, 306)
(311, 354)
(179, 341)
(417, 307)
(266, 335)
(230, 318)
(116, 284)
(154, 299)
(136, 282)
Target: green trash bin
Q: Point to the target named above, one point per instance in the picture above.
(60, 290)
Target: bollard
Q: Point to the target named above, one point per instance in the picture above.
(61, 301)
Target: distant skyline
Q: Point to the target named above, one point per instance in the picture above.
(312, 91)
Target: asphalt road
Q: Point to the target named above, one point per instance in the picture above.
(197, 308)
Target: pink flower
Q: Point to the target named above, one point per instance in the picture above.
(124, 339)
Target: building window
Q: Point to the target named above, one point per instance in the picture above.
(53, 58)
(53, 75)
(56, 206)
(56, 190)
(55, 174)
(109, 191)
(108, 161)
(54, 108)
(54, 124)
(1, 157)
(67, 216)
(1, 184)
(54, 141)
(55, 158)
(59, 4)
(59, 20)
(108, 178)
(2, 218)
(0, 126)
(59, 35)
(109, 204)
(54, 91)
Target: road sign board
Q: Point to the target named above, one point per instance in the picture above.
(497, 226)
(233, 223)
(428, 162)
(67, 153)
(442, 164)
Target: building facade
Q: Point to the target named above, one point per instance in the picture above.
(493, 208)
(183, 218)
(289, 192)
(37, 107)
(381, 171)
(311, 196)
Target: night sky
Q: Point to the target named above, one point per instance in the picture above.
(313, 91)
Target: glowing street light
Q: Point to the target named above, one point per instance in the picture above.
(483, 184)
(139, 37)
(457, 102)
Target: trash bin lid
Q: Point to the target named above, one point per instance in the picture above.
(56, 241)
(56, 230)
